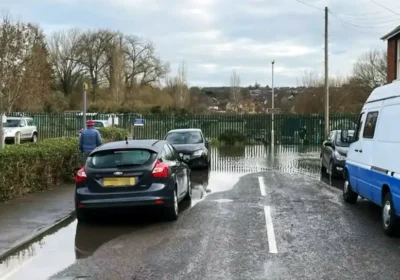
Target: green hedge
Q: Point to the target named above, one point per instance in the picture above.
(40, 166)
(113, 133)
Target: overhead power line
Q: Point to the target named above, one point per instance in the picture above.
(309, 5)
(384, 7)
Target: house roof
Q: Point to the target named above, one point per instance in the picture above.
(392, 33)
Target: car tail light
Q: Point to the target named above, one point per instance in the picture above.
(160, 170)
(80, 175)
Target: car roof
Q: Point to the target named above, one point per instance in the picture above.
(184, 130)
(18, 118)
(149, 144)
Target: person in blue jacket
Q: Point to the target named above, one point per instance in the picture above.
(89, 140)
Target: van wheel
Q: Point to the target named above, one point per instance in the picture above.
(389, 219)
(349, 195)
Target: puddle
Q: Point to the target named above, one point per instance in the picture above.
(73, 241)
(43, 258)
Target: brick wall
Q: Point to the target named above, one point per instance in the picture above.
(391, 58)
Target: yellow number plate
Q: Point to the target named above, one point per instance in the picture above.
(119, 182)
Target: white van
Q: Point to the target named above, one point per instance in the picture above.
(372, 168)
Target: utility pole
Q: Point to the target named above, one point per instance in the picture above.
(273, 107)
(85, 87)
(326, 76)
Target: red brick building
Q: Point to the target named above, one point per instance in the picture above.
(393, 54)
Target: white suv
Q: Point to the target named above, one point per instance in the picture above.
(19, 127)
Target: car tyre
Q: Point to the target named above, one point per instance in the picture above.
(17, 138)
(188, 196)
(331, 170)
(323, 168)
(389, 219)
(349, 195)
(34, 138)
(172, 212)
(81, 215)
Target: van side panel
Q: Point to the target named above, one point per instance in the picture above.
(385, 167)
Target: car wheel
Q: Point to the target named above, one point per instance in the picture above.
(81, 215)
(323, 168)
(17, 138)
(34, 138)
(349, 195)
(188, 195)
(389, 219)
(332, 172)
(172, 212)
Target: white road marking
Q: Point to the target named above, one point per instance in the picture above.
(261, 182)
(270, 230)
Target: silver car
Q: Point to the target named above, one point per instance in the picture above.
(19, 128)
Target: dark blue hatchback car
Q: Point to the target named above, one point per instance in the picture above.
(132, 173)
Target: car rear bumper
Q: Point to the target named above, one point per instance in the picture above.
(156, 195)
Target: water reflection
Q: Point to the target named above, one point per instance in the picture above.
(289, 159)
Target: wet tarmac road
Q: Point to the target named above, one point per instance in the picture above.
(254, 216)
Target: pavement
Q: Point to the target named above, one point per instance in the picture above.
(23, 219)
(253, 216)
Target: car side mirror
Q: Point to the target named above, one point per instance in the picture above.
(328, 144)
(180, 156)
(207, 142)
(22, 125)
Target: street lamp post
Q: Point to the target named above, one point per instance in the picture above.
(1, 121)
(273, 107)
(85, 87)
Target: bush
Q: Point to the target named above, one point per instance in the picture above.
(231, 137)
(113, 133)
(37, 166)
(40, 166)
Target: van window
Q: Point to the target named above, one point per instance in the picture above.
(370, 124)
(359, 126)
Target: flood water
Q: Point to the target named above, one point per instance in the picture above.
(55, 252)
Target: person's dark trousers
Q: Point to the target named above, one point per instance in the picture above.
(84, 156)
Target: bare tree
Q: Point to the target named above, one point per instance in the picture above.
(63, 48)
(93, 49)
(24, 70)
(235, 87)
(116, 71)
(143, 66)
(178, 87)
(370, 69)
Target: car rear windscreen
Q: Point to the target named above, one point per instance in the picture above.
(116, 158)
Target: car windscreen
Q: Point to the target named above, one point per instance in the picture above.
(345, 143)
(184, 137)
(120, 158)
(11, 123)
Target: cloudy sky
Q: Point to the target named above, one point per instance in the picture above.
(215, 36)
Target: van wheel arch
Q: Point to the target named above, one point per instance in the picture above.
(385, 190)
